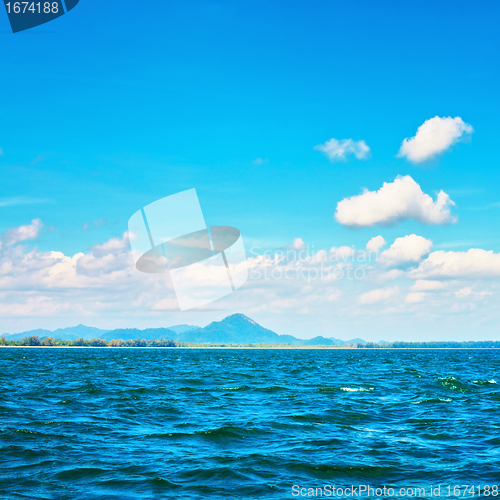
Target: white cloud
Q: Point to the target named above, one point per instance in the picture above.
(473, 264)
(101, 287)
(384, 276)
(470, 292)
(48, 283)
(379, 295)
(298, 244)
(338, 150)
(260, 161)
(341, 253)
(375, 244)
(464, 292)
(433, 137)
(1, 152)
(426, 286)
(414, 298)
(105, 258)
(393, 203)
(405, 250)
(22, 233)
(321, 256)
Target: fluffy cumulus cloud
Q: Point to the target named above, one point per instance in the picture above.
(475, 263)
(339, 284)
(382, 294)
(393, 203)
(433, 137)
(375, 244)
(103, 282)
(341, 149)
(39, 283)
(406, 250)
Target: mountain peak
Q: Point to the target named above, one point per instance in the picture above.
(234, 329)
(239, 317)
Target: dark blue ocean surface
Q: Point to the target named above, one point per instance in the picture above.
(177, 423)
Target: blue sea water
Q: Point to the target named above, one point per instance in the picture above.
(235, 423)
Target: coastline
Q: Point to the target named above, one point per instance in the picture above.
(247, 348)
(171, 348)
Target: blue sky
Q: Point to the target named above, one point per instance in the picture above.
(113, 106)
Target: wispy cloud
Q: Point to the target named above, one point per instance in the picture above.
(485, 207)
(36, 160)
(19, 234)
(97, 223)
(22, 200)
(341, 149)
(260, 161)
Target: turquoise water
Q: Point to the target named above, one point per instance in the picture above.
(188, 424)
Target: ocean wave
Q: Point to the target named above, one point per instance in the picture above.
(431, 401)
(237, 388)
(356, 389)
(344, 471)
(483, 382)
(454, 384)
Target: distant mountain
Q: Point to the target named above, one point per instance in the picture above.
(19, 336)
(70, 333)
(183, 328)
(135, 333)
(356, 341)
(235, 329)
(76, 332)
(324, 341)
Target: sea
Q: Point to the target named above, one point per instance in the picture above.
(173, 423)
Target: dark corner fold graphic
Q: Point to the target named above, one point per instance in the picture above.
(70, 4)
(26, 15)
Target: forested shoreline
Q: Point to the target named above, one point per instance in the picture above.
(479, 344)
(34, 341)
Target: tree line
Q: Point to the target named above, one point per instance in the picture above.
(81, 342)
(450, 344)
(51, 342)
